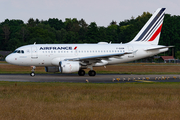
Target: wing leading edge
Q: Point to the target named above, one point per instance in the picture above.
(99, 57)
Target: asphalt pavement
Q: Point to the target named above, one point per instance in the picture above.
(99, 78)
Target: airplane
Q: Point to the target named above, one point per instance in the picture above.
(69, 58)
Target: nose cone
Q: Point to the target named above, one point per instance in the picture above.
(8, 59)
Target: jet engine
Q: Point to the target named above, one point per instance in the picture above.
(69, 66)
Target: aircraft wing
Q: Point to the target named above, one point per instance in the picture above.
(98, 57)
(157, 48)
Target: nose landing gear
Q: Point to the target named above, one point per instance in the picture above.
(32, 74)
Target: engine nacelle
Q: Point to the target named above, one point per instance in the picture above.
(52, 69)
(69, 66)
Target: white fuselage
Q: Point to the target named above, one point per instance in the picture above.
(52, 54)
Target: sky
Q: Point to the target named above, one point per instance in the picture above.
(100, 11)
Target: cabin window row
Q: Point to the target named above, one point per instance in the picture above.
(84, 51)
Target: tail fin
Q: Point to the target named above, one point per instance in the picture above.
(150, 33)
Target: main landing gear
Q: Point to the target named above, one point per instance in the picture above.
(90, 73)
(33, 69)
(81, 72)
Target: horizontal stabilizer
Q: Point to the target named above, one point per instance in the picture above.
(157, 48)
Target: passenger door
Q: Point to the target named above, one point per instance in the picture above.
(34, 52)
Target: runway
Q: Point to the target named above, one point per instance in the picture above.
(99, 78)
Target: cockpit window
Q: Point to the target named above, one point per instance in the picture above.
(15, 51)
(19, 51)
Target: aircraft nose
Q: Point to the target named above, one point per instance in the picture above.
(8, 59)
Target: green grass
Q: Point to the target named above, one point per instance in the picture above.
(90, 101)
(3, 62)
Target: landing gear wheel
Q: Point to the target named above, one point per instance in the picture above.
(92, 73)
(33, 69)
(81, 72)
(32, 74)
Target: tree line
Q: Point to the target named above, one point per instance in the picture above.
(15, 33)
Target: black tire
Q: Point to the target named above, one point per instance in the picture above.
(92, 73)
(32, 74)
(81, 72)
